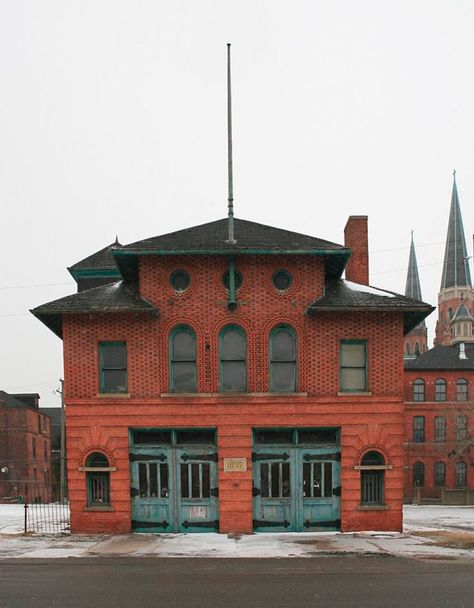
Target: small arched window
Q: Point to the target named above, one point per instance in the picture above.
(417, 349)
(439, 474)
(450, 313)
(461, 389)
(183, 360)
(98, 480)
(419, 390)
(440, 390)
(407, 348)
(418, 474)
(282, 359)
(461, 475)
(372, 473)
(233, 359)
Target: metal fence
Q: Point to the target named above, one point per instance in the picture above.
(45, 510)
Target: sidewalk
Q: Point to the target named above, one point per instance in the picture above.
(430, 533)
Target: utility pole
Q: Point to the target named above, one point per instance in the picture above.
(62, 474)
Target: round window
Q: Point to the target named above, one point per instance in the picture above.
(281, 280)
(180, 280)
(238, 280)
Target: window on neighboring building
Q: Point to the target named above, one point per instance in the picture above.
(33, 447)
(418, 429)
(439, 474)
(450, 313)
(353, 363)
(461, 475)
(419, 474)
(372, 479)
(440, 390)
(417, 349)
(98, 481)
(39, 424)
(419, 390)
(461, 428)
(461, 389)
(183, 376)
(233, 359)
(113, 367)
(46, 450)
(440, 428)
(282, 359)
(407, 348)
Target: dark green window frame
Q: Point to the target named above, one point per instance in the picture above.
(175, 362)
(106, 368)
(224, 361)
(343, 367)
(288, 362)
(98, 481)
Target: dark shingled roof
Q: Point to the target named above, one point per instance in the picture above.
(345, 295)
(251, 238)
(462, 314)
(9, 401)
(443, 357)
(101, 260)
(121, 296)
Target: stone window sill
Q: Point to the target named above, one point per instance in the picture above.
(354, 394)
(99, 509)
(231, 395)
(113, 395)
(372, 508)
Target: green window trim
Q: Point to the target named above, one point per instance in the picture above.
(107, 369)
(97, 480)
(273, 362)
(241, 360)
(173, 361)
(343, 367)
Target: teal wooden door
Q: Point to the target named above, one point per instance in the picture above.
(174, 487)
(296, 488)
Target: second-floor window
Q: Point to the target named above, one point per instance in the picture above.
(440, 428)
(33, 448)
(282, 360)
(461, 428)
(418, 429)
(419, 390)
(233, 359)
(183, 360)
(440, 390)
(461, 390)
(113, 367)
(353, 366)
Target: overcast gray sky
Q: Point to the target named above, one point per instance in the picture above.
(113, 121)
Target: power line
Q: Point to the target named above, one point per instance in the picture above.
(35, 285)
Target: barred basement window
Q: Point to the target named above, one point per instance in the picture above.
(461, 390)
(440, 390)
(440, 428)
(461, 475)
(113, 367)
(440, 474)
(419, 390)
(418, 474)
(372, 480)
(98, 482)
(282, 359)
(418, 429)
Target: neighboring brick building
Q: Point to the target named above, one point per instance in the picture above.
(25, 448)
(439, 395)
(235, 385)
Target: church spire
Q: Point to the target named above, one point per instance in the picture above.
(456, 262)
(412, 288)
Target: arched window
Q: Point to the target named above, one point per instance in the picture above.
(372, 472)
(461, 475)
(419, 474)
(440, 390)
(183, 360)
(407, 348)
(419, 390)
(450, 313)
(282, 359)
(461, 389)
(439, 474)
(233, 359)
(98, 480)
(417, 349)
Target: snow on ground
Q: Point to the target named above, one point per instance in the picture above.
(430, 533)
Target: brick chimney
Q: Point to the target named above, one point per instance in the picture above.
(356, 238)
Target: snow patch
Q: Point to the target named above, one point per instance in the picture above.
(366, 289)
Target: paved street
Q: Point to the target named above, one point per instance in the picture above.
(237, 583)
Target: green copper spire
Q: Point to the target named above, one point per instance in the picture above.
(456, 262)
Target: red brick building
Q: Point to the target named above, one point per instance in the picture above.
(25, 448)
(234, 385)
(439, 408)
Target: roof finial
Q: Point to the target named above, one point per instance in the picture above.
(116, 240)
(454, 174)
(230, 197)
